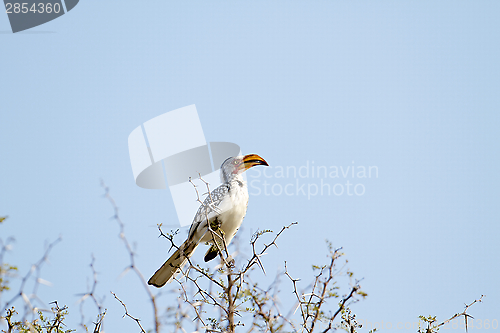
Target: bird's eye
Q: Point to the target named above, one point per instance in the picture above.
(235, 162)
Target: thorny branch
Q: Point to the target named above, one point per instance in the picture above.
(101, 312)
(131, 253)
(434, 328)
(229, 296)
(38, 320)
(311, 304)
(138, 321)
(34, 270)
(256, 255)
(230, 291)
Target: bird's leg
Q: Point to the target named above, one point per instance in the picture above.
(220, 233)
(223, 246)
(219, 241)
(215, 224)
(217, 235)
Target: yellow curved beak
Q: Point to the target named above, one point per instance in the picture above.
(252, 160)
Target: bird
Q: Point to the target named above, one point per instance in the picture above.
(223, 210)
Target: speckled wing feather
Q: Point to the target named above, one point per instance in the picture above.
(209, 208)
(212, 208)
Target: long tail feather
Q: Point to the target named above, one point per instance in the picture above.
(165, 274)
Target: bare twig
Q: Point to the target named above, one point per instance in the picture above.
(256, 255)
(98, 303)
(36, 270)
(138, 321)
(131, 253)
(311, 304)
(434, 328)
(235, 290)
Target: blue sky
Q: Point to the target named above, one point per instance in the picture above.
(409, 87)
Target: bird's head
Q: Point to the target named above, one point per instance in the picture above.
(236, 165)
